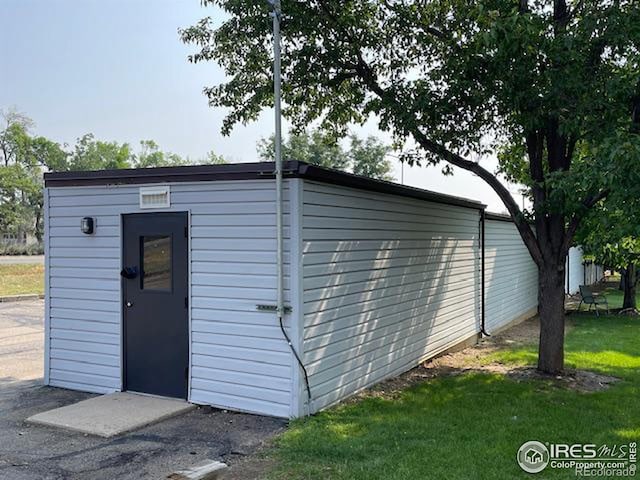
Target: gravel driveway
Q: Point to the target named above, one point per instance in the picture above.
(33, 452)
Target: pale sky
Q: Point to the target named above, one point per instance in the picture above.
(116, 68)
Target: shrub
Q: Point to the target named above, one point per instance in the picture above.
(21, 249)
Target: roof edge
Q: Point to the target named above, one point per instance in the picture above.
(190, 173)
(336, 177)
(499, 217)
(247, 171)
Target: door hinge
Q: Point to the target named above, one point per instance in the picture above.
(186, 302)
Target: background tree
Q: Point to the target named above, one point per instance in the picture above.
(15, 189)
(24, 157)
(92, 154)
(621, 253)
(457, 80)
(14, 133)
(150, 155)
(362, 157)
(369, 158)
(42, 154)
(610, 233)
(316, 148)
(212, 158)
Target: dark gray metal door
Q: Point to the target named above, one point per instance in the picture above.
(155, 301)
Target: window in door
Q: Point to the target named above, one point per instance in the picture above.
(156, 262)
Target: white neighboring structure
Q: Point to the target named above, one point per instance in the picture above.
(378, 277)
(593, 273)
(574, 271)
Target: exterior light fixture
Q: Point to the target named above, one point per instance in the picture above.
(88, 225)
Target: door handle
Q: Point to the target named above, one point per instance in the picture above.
(129, 272)
(129, 304)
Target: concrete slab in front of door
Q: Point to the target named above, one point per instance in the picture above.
(113, 414)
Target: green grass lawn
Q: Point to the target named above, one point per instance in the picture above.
(21, 279)
(470, 426)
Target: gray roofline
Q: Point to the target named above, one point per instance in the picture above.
(247, 171)
(500, 217)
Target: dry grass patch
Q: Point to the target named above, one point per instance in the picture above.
(21, 279)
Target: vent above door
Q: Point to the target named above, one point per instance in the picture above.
(155, 197)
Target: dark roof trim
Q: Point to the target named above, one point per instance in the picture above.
(313, 172)
(499, 217)
(247, 171)
(196, 173)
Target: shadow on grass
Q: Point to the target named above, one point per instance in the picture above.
(471, 425)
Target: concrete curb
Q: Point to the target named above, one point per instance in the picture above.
(20, 298)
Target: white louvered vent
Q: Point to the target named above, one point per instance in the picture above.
(155, 197)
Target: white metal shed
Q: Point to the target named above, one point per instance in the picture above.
(163, 281)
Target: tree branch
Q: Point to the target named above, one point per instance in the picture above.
(635, 111)
(341, 77)
(524, 6)
(561, 14)
(529, 238)
(576, 8)
(574, 223)
(435, 32)
(369, 77)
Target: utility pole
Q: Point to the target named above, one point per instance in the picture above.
(276, 14)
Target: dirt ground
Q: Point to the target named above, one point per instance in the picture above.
(470, 360)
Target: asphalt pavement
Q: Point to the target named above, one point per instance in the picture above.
(35, 452)
(21, 341)
(21, 259)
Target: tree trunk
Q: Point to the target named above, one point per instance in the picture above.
(37, 230)
(551, 310)
(629, 287)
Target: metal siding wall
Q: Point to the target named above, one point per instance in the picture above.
(388, 282)
(511, 276)
(238, 356)
(574, 273)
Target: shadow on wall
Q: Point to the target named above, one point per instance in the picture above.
(376, 308)
(511, 276)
